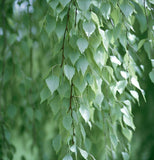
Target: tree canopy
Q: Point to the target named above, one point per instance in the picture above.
(69, 76)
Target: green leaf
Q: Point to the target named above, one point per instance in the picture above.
(151, 75)
(135, 95)
(45, 94)
(64, 89)
(67, 122)
(52, 83)
(84, 113)
(126, 8)
(106, 9)
(68, 157)
(55, 104)
(135, 83)
(104, 38)
(82, 44)
(100, 56)
(123, 39)
(51, 24)
(53, 4)
(79, 83)
(114, 140)
(121, 85)
(60, 28)
(57, 143)
(98, 99)
(124, 74)
(127, 133)
(140, 44)
(84, 5)
(95, 18)
(82, 65)
(125, 156)
(115, 60)
(73, 56)
(83, 153)
(129, 121)
(64, 2)
(89, 28)
(83, 131)
(69, 72)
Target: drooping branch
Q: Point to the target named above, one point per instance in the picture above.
(71, 110)
(66, 29)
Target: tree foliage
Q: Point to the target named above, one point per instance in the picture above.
(69, 76)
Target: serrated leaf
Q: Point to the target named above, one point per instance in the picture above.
(126, 8)
(106, 9)
(89, 28)
(52, 83)
(67, 122)
(82, 65)
(82, 44)
(69, 72)
(57, 143)
(84, 113)
(83, 153)
(84, 5)
(45, 94)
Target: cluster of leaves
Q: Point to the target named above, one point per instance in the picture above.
(92, 48)
(94, 81)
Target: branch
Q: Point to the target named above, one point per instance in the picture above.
(66, 29)
(71, 109)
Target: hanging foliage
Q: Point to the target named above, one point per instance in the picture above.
(69, 77)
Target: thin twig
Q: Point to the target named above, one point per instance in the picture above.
(66, 29)
(71, 109)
